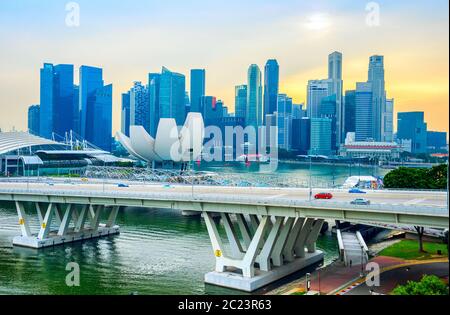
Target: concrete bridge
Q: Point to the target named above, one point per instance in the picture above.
(270, 232)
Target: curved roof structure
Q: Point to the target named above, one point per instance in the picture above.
(170, 144)
(11, 141)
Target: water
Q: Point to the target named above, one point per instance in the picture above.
(158, 252)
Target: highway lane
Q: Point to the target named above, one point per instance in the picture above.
(381, 197)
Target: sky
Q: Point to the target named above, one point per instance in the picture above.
(129, 39)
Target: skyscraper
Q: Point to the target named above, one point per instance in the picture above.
(350, 111)
(198, 89)
(240, 100)
(254, 97)
(47, 103)
(100, 132)
(284, 121)
(139, 106)
(335, 75)
(171, 96)
(388, 123)
(33, 119)
(153, 92)
(376, 78)
(91, 79)
(364, 112)
(125, 121)
(436, 141)
(271, 78)
(212, 110)
(320, 143)
(316, 91)
(56, 96)
(327, 109)
(411, 126)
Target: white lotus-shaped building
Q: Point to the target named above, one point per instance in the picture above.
(171, 143)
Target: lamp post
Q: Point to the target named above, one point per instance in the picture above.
(308, 282)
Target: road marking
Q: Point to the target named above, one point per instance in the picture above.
(415, 201)
(276, 196)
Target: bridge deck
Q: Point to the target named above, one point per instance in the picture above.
(386, 206)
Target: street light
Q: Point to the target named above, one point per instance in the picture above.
(308, 282)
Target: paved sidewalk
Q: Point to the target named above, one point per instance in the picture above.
(336, 276)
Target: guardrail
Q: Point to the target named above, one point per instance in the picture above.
(234, 199)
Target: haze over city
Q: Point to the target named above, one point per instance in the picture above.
(130, 40)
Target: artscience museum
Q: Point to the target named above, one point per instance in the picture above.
(172, 144)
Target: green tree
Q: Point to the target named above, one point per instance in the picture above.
(417, 178)
(428, 285)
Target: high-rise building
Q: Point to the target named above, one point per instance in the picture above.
(240, 100)
(198, 89)
(91, 79)
(364, 112)
(298, 111)
(153, 92)
(212, 109)
(187, 102)
(388, 121)
(139, 106)
(125, 121)
(33, 119)
(335, 75)
(376, 78)
(320, 143)
(349, 111)
(254, 97)
(411, 126)
(436, 141)
(301, 135)
(284, 121)
(316, 91)
(327, 109)
(271, 78)
(56, 97)
(100, 132)
(171, 96)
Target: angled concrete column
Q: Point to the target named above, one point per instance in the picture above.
(95, 214)
(277, 254)
(235, 245)
(301, 239)
(288, 251)
(244, 229)
(46, 224)
(40, 212)
(248, 269)
(313, 235)
(65, 220)
(266, 252)
(216, 241)
(112, 216)
(23, 219)
(82, 215)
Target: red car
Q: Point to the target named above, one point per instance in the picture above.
(323, 195)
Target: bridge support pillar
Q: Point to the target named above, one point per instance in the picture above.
(266, 252)
(64, 223)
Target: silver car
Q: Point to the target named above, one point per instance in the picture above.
(360, 201)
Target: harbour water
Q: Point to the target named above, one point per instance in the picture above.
(158, 251)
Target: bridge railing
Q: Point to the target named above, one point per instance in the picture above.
(235, 199)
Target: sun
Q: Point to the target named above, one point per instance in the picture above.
(318, 22)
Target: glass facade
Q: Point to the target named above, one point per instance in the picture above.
(198, 88)
(271, 78)
(254, 97)
(411, 126)
(101, 135)
(153, 92)
(364, 122)
(139, 106)
(240, 100)
(171, 96)
(125, 122)
(33, 119)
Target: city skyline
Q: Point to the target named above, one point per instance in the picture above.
(423, 87)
